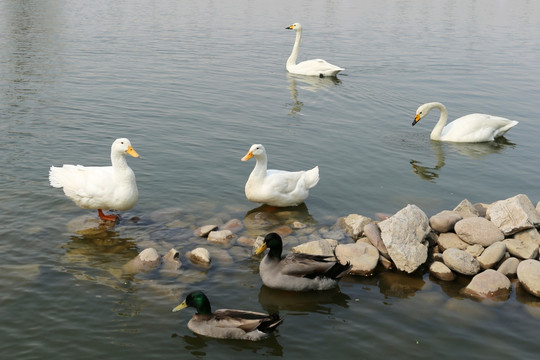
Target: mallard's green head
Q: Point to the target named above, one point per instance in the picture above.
(196, 300)
(273, 242)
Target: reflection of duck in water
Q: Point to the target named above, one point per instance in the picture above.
(273, 300)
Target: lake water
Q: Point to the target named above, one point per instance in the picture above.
(193, 84)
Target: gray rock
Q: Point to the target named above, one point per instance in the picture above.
(530, 235)
(171, 260)
(475, 250)
(441, 271)
(477, 230)
(528, 273)
(444, 221)
(481, 208)
(353, 224)
(466, 209)
(509, 267)
(403, 235)
(234, 225)
(461, 262)
(245, 240)
(203, 231)
(521, 249)
(451, 240)
(223, 237)
(373, 233)
(514, 214)
(489, 284)
(363, 257)
(200, 256)
(319, 247)
(147, 260)
(492, 255)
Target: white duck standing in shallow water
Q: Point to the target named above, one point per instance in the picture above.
(469, 128)
(315, 67)
(277, 187)
(100, 187)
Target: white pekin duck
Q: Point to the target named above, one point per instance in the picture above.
(100, 187)
(276, 187)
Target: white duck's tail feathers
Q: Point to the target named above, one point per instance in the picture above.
(54, 177)
(505, 128)
(311, 177)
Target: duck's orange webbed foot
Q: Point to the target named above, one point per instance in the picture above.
(112, 217)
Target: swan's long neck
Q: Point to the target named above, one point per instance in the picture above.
(291, 61)
(437, 130)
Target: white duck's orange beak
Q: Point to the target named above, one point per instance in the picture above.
(248, 156)
(132, 152)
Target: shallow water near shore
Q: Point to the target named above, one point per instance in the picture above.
(193, 85)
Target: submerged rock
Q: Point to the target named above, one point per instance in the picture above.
(403, 235)
(147, 260)
(199, 256)
(223, 237)
(171, 260)
(203, 231)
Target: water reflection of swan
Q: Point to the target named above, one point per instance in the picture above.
(308, 83)
(472, 150)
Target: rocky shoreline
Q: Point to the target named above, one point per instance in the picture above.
(493, 244)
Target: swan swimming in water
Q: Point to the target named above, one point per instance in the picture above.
(469, 128)
(315, 67)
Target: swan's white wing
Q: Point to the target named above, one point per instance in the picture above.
(476, 128)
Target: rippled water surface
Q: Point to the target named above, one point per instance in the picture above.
(193, 84)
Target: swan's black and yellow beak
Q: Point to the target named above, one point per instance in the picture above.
(183, 305)
(248, 156)
(416, 119)
(260, 249)
(289, 27)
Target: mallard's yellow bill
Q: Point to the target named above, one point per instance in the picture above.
(261, 249)
(183, 305)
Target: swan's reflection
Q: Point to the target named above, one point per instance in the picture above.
(308, 83)
(471, 150)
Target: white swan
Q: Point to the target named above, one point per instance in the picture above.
(469, 128)
(100, 187)
(316, 67)
(277, 187)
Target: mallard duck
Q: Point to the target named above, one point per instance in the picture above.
(469, 128)
(315, 67)
(100, 187)
(227, 323)
(277, 187)
(296, 271)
